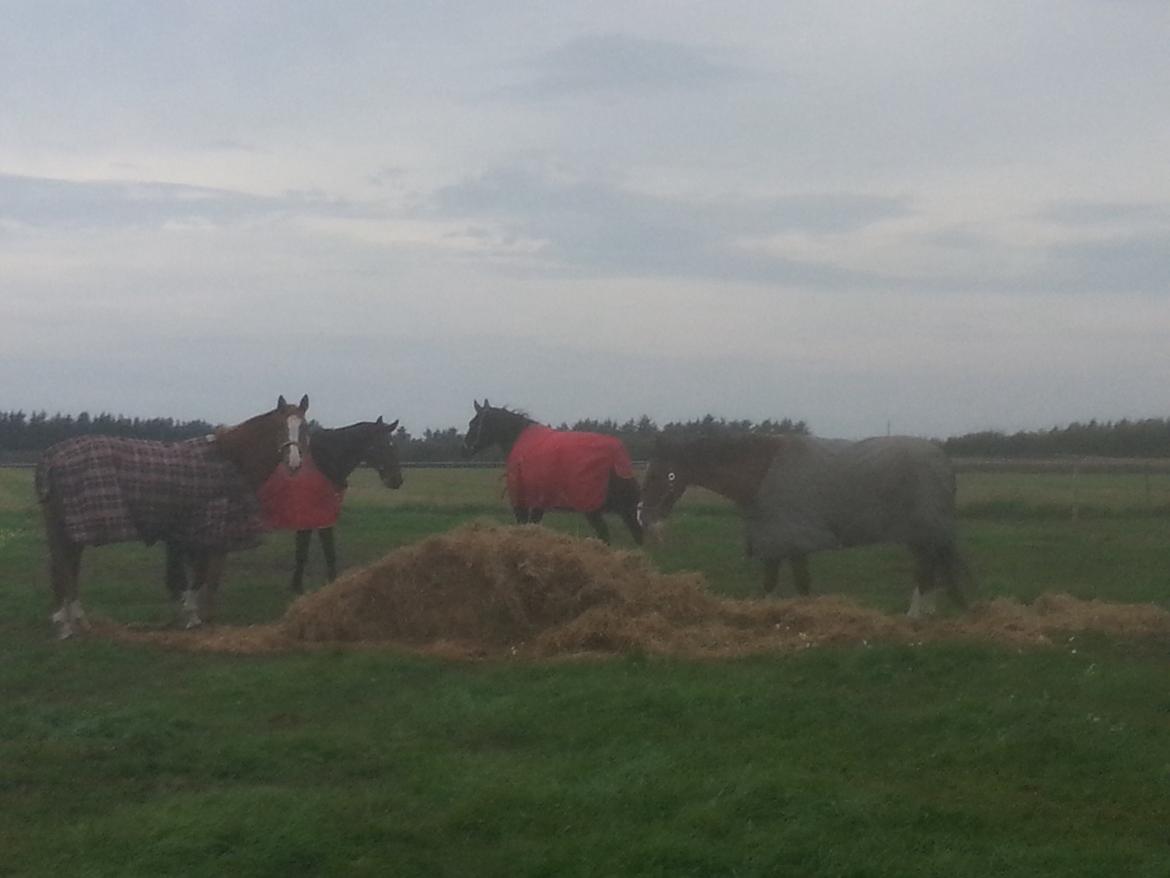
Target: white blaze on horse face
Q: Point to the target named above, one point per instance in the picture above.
(294, 439)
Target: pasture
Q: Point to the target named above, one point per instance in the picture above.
(870, 760)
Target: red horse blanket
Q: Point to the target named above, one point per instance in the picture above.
(304, 500)
(562, 469)
(109, 490)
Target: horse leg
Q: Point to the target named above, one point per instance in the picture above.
(302, 540)
(212, 573)
(330, 549)
(924, 600)
(596, 519)
(622, 496)
(535, 516)
(189, 606)
(64, 568)
(959, 582)
(771, 575)
(521, 513)
(630, 517)
(176, 571)
(800, 577)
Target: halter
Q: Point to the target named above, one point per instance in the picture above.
(673, 493)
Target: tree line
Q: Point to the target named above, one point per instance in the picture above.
(23, 436)
(1148, 437)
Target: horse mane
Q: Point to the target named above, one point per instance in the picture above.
(520, 413)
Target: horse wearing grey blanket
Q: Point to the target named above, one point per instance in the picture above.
(800, 495)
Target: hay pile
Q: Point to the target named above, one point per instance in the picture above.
(489, 591)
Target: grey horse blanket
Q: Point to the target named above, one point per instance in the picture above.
(108, 490)
(831, 493)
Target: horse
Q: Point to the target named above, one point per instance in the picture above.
(198, 495)
(558, 469)
(800, 495)
(335, 454)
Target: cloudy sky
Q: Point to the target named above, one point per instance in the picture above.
(937, 216)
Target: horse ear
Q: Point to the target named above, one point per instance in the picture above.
(280, 403)
(478, 407)
(304, 406)
(486, 404)
(379, 420)
(393, 427)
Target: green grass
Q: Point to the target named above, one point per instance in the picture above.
(957, 760)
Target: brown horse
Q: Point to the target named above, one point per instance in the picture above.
(800, 495)
(198, 494)
(558, 469)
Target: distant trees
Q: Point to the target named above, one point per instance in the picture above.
(36, 431)
(1125, 438)
(24, 435)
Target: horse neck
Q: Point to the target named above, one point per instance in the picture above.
(733, 468)
(252, 447)
(338, 452)
(508, 427)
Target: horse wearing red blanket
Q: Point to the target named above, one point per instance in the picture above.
(559, 469)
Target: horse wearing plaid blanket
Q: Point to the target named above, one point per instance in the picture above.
(558, 469)
(198, 495)
(310, 498)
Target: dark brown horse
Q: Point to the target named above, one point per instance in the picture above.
(198, 495)
(337, 453)
(800, 495)
(558, 469)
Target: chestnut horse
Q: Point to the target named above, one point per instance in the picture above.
(558, 469)
(198, 495)
(800, 495)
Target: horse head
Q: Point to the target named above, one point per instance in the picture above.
(666, 480)
(259, 445)
(382, 454)
(480, 429)
(294, 441)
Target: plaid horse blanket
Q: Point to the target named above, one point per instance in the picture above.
(564, 469)
(304, 500)
(109, 490)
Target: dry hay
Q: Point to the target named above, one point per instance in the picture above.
(489, 591)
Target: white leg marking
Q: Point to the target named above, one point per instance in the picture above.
(61, 620)
(76, 614)
(191, 609)
(915, 611)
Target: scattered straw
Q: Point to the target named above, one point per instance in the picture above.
(489, 591)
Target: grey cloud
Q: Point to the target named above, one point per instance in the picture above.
(619, 64)
(38, 201)
(599, 228)
(1104, 212)
(1131, 264)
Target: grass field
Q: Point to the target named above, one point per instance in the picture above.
(952, 759)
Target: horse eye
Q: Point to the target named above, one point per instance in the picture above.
(670, 477)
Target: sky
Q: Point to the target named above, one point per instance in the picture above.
(920, 217)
